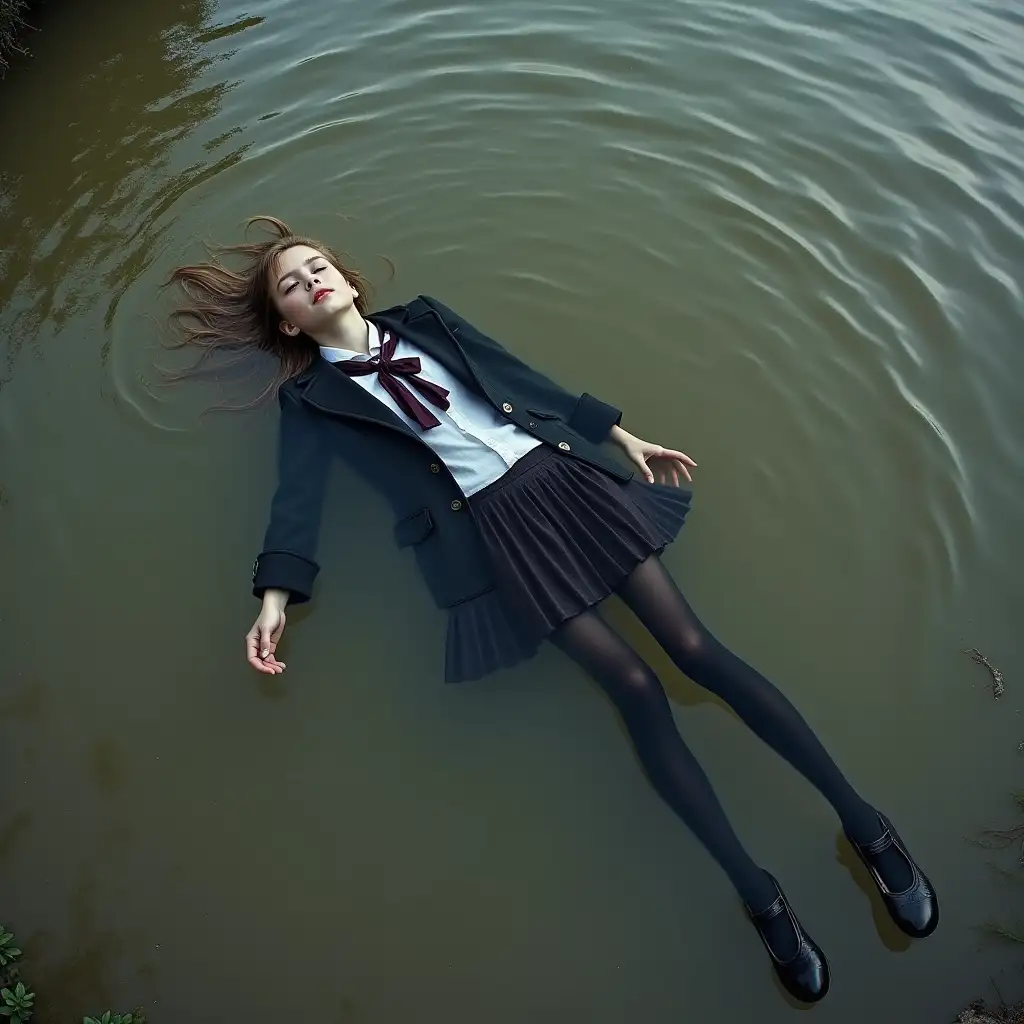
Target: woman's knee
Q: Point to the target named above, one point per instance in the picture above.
(692, 646)
(637, 679)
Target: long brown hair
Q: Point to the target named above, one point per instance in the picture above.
(232, 312)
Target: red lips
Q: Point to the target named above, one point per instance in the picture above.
(321, 293)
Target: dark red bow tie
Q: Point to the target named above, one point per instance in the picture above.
(390, 370)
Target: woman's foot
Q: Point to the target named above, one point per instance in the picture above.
(796, 957)
(906, 891)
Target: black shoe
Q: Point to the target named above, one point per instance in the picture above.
(804, 974)
(914, 909)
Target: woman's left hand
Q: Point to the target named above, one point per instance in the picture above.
(664, 465)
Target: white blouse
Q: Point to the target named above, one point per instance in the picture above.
(473, 440)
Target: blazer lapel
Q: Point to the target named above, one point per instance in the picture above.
(328, 389)
(428, 332)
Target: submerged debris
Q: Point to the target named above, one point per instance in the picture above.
(998, 689)
(1000, 838)
(11, 24)
(977, 1014)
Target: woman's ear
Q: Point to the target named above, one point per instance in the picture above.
(290, 329)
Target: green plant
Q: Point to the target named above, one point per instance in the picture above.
(8, 951)
(17, 1002)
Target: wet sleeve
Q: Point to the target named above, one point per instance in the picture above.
(288, 559)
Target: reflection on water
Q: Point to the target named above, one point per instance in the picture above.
(77, 974)
(785, 239)
(82, 217)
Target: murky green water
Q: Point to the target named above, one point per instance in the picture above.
(803, 228)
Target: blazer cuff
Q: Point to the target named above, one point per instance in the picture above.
(281, 570)
(593, 418)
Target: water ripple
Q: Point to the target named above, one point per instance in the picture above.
(808, 215)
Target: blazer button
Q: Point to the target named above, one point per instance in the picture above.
(533, 423)
(456, 505)
(563, 445)
(435, 468)
(507, 407)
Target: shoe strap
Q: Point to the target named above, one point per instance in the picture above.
(772, 911)
(881, 844)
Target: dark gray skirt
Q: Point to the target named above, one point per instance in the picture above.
(562, 536)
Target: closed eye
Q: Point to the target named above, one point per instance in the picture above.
(314, 270)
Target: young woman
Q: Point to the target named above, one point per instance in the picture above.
(522, 523)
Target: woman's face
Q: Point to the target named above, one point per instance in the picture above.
(308, 291)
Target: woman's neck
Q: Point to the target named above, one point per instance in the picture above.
(350, 331)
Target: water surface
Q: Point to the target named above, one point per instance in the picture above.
(785, 240)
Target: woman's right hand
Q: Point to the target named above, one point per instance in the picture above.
(261, 641)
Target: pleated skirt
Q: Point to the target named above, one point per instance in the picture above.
(561, 536)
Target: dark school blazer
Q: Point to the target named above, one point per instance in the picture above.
(325, 414)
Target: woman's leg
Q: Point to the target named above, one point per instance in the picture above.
(671, 767)
(653, 596)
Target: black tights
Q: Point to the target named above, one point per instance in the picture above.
(675, 773)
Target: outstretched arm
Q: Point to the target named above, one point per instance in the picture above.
(595, 420)
(286, 568)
